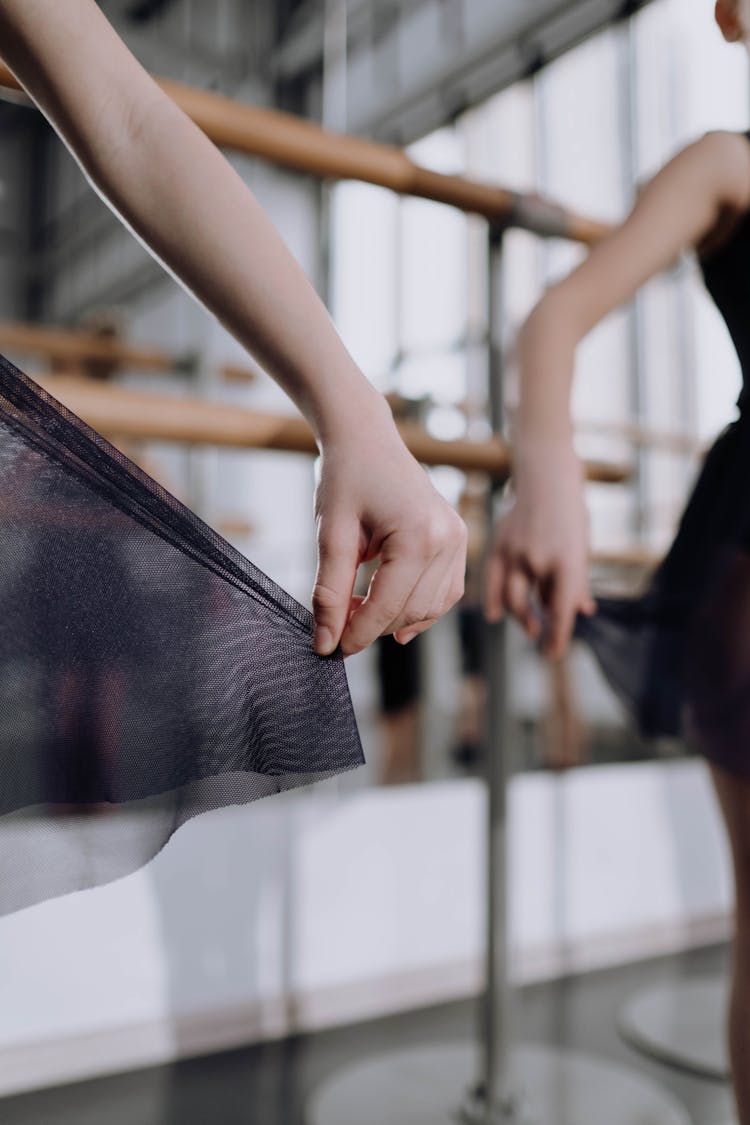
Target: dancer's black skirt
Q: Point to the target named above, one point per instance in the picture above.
(148, 671)
(679, 655)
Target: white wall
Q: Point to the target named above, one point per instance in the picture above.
(319, 907)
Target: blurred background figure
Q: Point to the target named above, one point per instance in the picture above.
(470, 738)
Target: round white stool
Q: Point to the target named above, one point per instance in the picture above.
(425, 1086)
(681, 1023)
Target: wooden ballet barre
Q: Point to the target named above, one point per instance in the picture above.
(639, 435)
(70, 345)
(237, 373)
(236, 526)
(77, 346)
(631, 557)
(121, 412)
(293, 142)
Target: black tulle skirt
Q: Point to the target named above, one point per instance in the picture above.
(678, 656)
(148, 671)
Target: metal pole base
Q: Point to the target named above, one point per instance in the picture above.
(682, 1024)
(422, 1086)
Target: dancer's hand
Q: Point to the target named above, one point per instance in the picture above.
(374, 501)
(540, 550)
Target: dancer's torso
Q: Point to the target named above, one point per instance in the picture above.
(726, 272)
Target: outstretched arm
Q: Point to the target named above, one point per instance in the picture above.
(179, 195)
(541, 547)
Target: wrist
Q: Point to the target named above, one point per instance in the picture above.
(540, 458)
(537, 446)
(356, 411)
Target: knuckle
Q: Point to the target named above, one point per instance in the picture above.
(412, 617)
(324, 597)
(427, 538)
(382, 613)
(440, 532)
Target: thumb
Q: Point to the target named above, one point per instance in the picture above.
(338, 558)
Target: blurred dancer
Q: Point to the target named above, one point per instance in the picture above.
(680, 654)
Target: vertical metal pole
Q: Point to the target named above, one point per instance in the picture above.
(492, 1100)
(335, 60)
(497, 989)
(637, 359)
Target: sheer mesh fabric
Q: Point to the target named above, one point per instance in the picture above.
(148, 671)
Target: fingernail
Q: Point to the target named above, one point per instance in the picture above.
(324, 641)
(405, 638)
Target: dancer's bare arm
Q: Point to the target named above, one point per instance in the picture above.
(541, 546)
(176, 191)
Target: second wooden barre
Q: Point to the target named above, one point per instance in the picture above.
(80, 346)
(306, 147)
(115, 411)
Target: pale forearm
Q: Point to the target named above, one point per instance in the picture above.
(546, 354)
(184, 200)
(181, 196)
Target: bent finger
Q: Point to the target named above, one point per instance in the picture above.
(517, 599)
(562, 604)
(493, 587)
(439, 587)
(391, 585)
(409, 632)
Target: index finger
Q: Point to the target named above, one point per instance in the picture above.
(390, 588)
(493, 587)
(562, 610)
